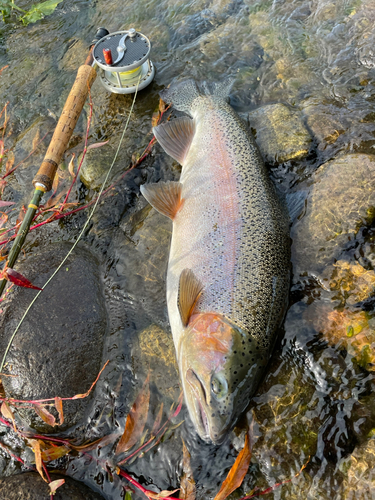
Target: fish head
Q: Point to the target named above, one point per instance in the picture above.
(219, 368)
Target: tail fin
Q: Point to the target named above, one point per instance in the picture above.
(183, 94)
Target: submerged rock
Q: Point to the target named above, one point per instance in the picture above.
(30, 486)
(95, 166)
(57, 350)
(341, 200)
(326, 122)
(351, 331)
(157, 353)
(351, 282)
(280, 133)
(359, 469)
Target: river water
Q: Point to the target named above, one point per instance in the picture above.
(316, 404)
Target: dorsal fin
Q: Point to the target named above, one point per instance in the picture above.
(165, 197)
(189, 291)
(175, 137)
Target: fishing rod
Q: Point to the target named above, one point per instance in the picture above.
(120, 73)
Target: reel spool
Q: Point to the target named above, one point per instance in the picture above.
(123, 60)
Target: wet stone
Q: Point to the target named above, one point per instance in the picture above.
(280, 133)
(326, 123)
(350, 331)
(158, 354)
(359, 469)
(57, 350)
(30, 486)
(95, 166)
(341, 200)
(98, 160)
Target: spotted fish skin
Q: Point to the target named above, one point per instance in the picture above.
(232, 233)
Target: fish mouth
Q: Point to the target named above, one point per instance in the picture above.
(198, 396)
(200, 399)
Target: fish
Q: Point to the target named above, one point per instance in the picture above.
(229, 263)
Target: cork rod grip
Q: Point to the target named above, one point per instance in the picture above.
(65, 126)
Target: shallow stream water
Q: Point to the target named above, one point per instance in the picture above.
(316, 404)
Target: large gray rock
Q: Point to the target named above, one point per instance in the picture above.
(58, 349)
(30, 486)
(340, 201)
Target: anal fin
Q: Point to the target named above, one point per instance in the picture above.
(165, 197)
(189, 291)
(175, 137)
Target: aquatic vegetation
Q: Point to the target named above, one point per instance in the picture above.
(38, 10)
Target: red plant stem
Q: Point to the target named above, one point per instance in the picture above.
(77, 396)
(46, 471)
(255, 493)
(135, 483)
(55, 216)
(61, 216)
(19, 459)
(176, 412)
(47, 438)
(5, 422)
(6, 105)
(48, 477)
(83, 154)
(36, 436)
(7, 231)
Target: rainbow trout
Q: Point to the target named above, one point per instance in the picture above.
(229, 262)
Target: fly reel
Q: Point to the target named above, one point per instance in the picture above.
(123, 59)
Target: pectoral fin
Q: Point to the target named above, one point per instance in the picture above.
(175, 137)
(189, 291)
(165, 197)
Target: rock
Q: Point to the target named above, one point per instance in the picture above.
(351, 282)
(280, 133)
(340, 201)
(351, 331)
(58, 349)
(30, 486)
(98, 160)
(325, 122)
(95, 166)
(325, 11)
(158, 354)
(359, 469)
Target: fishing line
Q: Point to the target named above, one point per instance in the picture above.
(79, 236)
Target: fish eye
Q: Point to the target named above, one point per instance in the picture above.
(219, 386)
